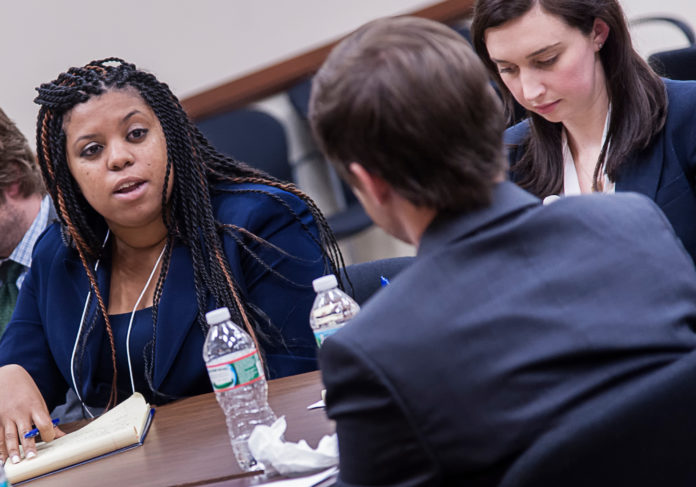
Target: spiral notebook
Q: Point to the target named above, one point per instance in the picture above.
(119, 429)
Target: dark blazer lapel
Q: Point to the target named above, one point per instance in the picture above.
(176, 313)
(642, 175)
(80, 282)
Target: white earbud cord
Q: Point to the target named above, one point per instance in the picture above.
(130, 323)
(79, 332)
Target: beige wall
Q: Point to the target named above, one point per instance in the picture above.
(196, 44)
(649, 38)
(190, 44)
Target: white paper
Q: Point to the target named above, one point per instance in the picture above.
(268, 447)
(316, 405)
(309, 481)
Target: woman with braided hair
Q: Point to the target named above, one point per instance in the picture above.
(156, 228)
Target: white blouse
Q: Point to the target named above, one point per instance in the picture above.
(571, 183)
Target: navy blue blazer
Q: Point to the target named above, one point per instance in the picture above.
(42, 332)
(508, 319)
(665, 171)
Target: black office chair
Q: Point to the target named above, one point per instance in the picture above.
(643, 435)
(365, 277)
(351, 219)
(679, 64)
(251, 136)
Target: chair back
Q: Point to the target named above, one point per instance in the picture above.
(639, 435)
(250, 136)
(351, 218)
(679, 64)
(365, 277)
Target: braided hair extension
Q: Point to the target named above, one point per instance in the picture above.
(197, 167)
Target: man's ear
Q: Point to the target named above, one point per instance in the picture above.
(12, 190)
(369, 184)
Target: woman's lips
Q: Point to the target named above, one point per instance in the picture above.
(131, 190)
(547, 108)
(128, 187)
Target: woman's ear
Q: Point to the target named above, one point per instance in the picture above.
(600, 32)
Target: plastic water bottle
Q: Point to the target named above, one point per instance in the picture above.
(3, 480)
(332, 308)
(239, 383)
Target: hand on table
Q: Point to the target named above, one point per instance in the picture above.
(21, 407)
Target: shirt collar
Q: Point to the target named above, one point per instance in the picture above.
(22, 253)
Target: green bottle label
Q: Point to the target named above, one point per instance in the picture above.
(322, 334)
(235, 370)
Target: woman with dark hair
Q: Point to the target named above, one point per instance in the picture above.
(156, 228)
(599, 118)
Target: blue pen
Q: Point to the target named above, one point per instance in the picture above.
(35, 432)
(384, 281)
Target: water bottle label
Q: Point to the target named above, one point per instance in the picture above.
(324, 333)
(235, 370)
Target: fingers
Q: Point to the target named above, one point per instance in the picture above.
(19, 411)
(45, 426)
(13, 435)
(12, 441)
(59, 432)
(28, 444)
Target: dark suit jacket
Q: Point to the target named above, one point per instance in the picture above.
(665, 171)
(507, 319)
(42, 332)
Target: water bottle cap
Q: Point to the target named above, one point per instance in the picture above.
(324, 283)
(217, 316)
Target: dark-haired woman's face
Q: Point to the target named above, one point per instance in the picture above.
(550, 67)
(117, 153)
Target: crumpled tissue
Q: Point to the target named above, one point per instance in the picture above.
(286, 458)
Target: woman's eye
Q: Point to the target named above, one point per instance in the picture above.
(505, 69)
(547, 62)
(137, 134)
(90, 150)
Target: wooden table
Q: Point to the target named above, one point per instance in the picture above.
(188, 444)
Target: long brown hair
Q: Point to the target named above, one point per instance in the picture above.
(638, 97)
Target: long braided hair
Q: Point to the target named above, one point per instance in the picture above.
(189, 218)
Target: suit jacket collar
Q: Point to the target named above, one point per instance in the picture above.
(177, 312)
(508, 199)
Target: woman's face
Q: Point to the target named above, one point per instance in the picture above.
(117, 153)
(550, 68)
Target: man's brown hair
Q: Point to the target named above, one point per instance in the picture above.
(17, 161)
(409, 100)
